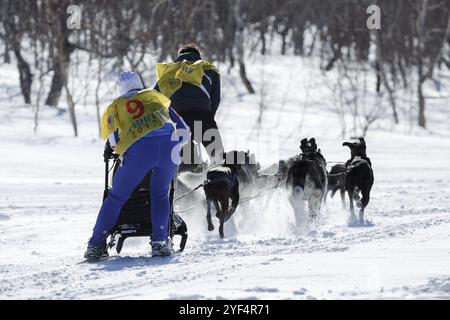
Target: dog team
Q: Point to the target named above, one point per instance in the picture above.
(304, 175)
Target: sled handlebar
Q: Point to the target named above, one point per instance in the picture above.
(108, 152)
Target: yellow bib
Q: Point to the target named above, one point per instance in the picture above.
(135, 117)
(170, 76)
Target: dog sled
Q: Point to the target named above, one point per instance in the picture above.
(135, 219)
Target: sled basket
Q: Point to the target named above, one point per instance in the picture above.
(135, 219)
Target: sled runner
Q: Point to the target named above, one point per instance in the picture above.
(135, 219)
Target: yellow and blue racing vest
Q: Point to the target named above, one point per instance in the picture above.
(134, 117)
(170, 76)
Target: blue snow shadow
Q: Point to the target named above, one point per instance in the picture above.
(119, 263)
(4, 217)
(357, 224)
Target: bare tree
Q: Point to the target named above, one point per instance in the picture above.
(430, 44)
(239, 44)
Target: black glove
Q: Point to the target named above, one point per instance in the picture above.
(108, 152)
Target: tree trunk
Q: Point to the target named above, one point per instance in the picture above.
(60, 74)
(61, 49)
(391, 97)
(420, 63)
(336, 57)
(7, 58)
(262, 36)
(244, 78)
(239, 44)
(421, 117)
(283, 41)
(299, 41)
(382, 77)
(378, 83)
(71, 104)
(25, 76)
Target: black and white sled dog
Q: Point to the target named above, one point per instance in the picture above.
(336, 182)
(224, 182)
(307, 180)
(359, 177)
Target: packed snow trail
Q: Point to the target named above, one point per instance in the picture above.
(50, 198)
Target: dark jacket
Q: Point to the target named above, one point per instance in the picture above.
(190, 97)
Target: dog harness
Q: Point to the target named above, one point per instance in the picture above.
(356, 162)
(216, 176)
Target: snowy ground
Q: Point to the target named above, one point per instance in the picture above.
(51, 188)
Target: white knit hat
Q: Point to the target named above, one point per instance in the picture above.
(129, 80)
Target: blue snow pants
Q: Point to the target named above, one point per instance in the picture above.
(148, 153)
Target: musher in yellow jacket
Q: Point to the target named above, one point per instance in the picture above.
(193, 86)
(139, 126)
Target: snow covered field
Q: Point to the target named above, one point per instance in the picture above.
(51, 188)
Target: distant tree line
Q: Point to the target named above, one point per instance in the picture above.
(413, 39)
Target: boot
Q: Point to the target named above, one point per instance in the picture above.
(94, 252)
(162, 248)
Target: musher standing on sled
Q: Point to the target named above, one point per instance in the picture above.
(139, 126)
(193, 86)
